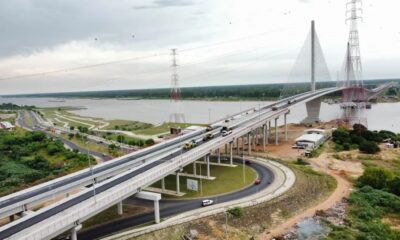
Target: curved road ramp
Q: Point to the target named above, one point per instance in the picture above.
(284, 179)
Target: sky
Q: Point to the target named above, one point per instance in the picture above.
(219, 42)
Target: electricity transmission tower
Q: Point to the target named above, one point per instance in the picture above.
(176, 114)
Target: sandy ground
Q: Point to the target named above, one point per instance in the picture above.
(326, 163)
(342, 190)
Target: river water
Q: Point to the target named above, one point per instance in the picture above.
(381, 116)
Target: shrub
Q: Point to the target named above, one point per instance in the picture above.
(369, 147)
(236, 212)
(375, 177)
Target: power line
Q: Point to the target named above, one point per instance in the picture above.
(133, 58)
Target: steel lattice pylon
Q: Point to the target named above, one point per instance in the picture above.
(176, 115)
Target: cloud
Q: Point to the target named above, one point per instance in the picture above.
(165, 4)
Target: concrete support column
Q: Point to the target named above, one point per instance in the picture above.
(254, 139)
(264, 136)
(249, 143)
(237, 146)
(231, 153)
(276, 132)
(208, 165)
(163, 184)
(194, 168)
(226, 148)
(120, 208)
(74, 232)
(242, 145)
(178, 187)
(219, 156)
(156, 211)
(12, 218)
(286, 130)
(268, 130)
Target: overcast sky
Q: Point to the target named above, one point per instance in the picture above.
(220, 42)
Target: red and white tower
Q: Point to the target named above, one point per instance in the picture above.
(176, 114)
(354, 96)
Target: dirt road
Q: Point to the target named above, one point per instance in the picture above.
(342, 190)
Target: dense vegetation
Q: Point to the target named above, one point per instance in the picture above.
(261, 91)
(361, 138)
(377, 198)
(11, 106)
(27, 157)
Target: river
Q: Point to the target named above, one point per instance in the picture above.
(381, 116)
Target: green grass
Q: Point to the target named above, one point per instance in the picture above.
(164, 128)
(228, 179)
(127, 125)
(126, 140)
(27, 119)
(91, 145)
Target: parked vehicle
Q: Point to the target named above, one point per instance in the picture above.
(207, 202)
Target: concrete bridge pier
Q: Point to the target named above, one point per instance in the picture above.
(219, 156)
(286, 129)
(264, 136)
(194, 168)
(155, 197)
(268, 129)
(237, 146)
(74, 231)
(178, 187)
(163, 184)
(313, 110)
(249, 144)
(207, 158)
(276, 132)
(231, 153)
(120, 209)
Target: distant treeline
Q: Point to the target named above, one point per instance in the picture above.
(11, 106)
(262, 91)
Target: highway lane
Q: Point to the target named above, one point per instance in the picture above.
(96, 170)
(173, 207)
(100, 168)
(87, 195)
(43, 215)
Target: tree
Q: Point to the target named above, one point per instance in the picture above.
(369, 147)
(120, 138)
(375, 177)
(72, 128)
(395, 186)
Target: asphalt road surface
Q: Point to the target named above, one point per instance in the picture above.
(173, 207)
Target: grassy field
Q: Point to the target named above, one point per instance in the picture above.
(227, 180)
(127, 125)
(112, 214)
(90, 145)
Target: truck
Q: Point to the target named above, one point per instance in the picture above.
(208, 136)
(209, 129)
(190, 145)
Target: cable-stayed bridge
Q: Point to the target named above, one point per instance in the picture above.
(110, 183)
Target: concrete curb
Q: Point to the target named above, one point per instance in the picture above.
(283, 181)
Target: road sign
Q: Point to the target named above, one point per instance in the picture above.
(192, 185)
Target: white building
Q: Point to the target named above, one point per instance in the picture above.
(310, 140)
(6, 125)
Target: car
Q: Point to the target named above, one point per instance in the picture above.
(247, 162)
(274, 108)
(257, 182)
(226, 132)
(207, 202)
(226, 120)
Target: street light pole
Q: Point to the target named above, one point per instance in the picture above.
(91, 172)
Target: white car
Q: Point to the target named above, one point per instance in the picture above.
(207, 202)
